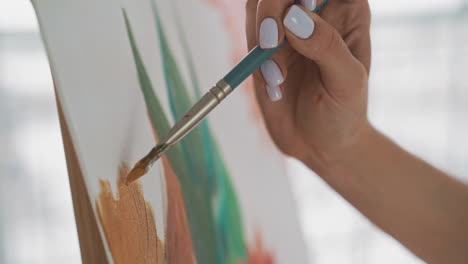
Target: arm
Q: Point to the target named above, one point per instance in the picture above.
(313, 97)
(423, 208)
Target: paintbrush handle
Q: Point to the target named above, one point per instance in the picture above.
(254, 60)
(249, 65)
(206, 104)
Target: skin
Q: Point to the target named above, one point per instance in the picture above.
(322, 121)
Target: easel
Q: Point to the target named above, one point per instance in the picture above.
(91, 245)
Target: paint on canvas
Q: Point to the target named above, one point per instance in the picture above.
(124, 72)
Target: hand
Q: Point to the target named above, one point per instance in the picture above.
(313, 92)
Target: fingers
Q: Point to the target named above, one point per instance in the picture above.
(352, 19)
(270, 33)
(264, 28)
(274, 74)
(270, 30)
(309, 4)
(269, 9)
(358, 39)
(317, 40)
(359, 43)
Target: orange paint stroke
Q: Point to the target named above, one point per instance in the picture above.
(128, 222)
(178, 238)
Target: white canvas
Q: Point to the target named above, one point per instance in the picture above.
(99, 88)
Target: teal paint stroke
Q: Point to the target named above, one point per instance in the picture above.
(212, 155)
(205, 133)
(199, 212)
(227, 214)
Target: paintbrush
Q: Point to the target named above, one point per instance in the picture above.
(205, 105)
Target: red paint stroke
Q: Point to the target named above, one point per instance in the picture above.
(178, 237)
(258, 254)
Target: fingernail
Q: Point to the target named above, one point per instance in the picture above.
(299, 22)
(274, 92)
(309, 4)
(268, 34)
(272, 73)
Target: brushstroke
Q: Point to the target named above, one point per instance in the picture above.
(211, 203)
(233, 18)
(199, 211)
(258, 254)
(202, 148)
(203, 126)
(129, 223)
(178, 235)
(178, 240)
(180, 102)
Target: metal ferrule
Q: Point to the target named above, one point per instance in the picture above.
(198, 112)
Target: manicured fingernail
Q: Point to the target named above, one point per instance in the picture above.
(309, 4)
(299, 22)
(274, 92)
(272, 73)
(268, 34)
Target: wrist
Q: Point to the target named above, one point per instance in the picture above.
(324, 162)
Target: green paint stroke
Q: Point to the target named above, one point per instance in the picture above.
(199, 212)
(211, 202)
(180, 101)
(205, 133)
(227, 213)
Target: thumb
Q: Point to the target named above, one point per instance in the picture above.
(317, 40)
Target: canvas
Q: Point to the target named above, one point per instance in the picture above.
(124, 72)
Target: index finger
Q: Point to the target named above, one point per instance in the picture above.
(258, 10)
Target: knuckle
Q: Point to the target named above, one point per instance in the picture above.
(362, 11)
(366, 13)
(362, 77)
(329, 42)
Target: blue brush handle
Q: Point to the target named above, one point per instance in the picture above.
(254, 60)
(249, 65)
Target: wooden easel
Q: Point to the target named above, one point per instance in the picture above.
(91, 244)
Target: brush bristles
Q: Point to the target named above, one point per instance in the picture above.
(137, 172)
(142, 167)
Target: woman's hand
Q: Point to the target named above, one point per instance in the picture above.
(313, 94)
(313, 91)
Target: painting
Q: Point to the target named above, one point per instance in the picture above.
(124, 72)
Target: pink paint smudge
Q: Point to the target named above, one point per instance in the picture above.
(233, 12)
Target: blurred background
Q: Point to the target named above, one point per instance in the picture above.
(418, 97)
